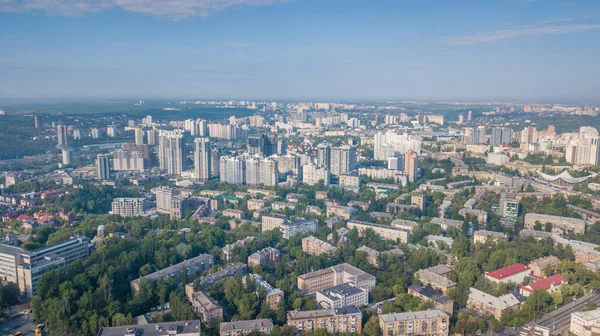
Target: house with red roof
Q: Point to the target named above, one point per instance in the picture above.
(512, 274)
(549, 284)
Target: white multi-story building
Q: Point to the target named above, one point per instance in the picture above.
(139, 136)
(233, 170)
(346, 294)
(127, 207)
(582, 321)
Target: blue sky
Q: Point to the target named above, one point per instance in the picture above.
(541, 50)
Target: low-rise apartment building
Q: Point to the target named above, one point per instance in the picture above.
(430, 277)
(483, 236)
(205, 307)
(342, 211)
(441, 302)
(539, 266)
(268, 255)
(273, 295)
(347, 319)
(194, 267)
(315, 246)
(581, 322)
(226, 272)
(328, 277)
(425, 322)
(179, 328)
(487, 304)
(386, 232)
(346, 294)
(512, 274)
(568, 224)
(239, 328)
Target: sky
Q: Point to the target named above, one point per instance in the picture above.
(335, 50)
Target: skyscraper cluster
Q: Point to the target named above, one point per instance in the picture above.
(501, 136)
(196, 127)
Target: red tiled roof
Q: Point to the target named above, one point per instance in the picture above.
(507, 271)
(545, 284)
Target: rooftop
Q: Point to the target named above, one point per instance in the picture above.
(418, 315)
(154, 329)
(246, 325)
(507, 271)
(500, 303)
(547, 283)
(320, 313)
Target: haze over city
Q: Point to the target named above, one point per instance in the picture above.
(305, 49)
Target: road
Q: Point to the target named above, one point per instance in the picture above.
(561, 318)
(19, 322)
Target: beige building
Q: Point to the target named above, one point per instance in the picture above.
(239, 328)
(435, 278)
(567, 224)
(182, 328)
(205, 307)
(487, 304)
(386, 232)
(255, 204)
(194, 266)
(328, 277)
(426, 322)
(315, 246)
(419, 200)
(268, 255)
(347, 319)
(538, 266)
(482, 236)
(424, 294)
(342, 211)
(582, 322)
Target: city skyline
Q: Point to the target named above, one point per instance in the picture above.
(300, 50)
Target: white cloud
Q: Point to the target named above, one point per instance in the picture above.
(520, 32)
(171, 9)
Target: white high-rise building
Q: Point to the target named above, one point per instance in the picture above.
(170, 152)
(233, 170)
(202, 159)
(139, 136)
(127, 161)
(312, 174)
(76, 134)
(153, 137)
(103, 166)
(111, 131)
(67, 156)
(390, 143)
(95, 133)
(411, 165)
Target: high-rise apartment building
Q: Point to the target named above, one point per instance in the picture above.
(170, 152)
(139, 136)
(152, 136)
(67, 156)
(391, 143)
(127, 161)
(232, 170)
(61, 135)
(312, 174)
(170, 201)
(501, 136)
(202, 159)
(103, 166)
(264, 144)
(411, 165)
